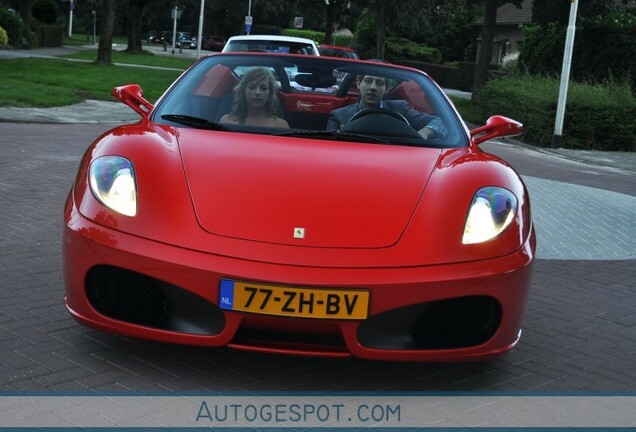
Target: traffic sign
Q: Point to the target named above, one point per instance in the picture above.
(298, 22)
(248, 20)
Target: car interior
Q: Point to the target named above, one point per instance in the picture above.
(307, 93)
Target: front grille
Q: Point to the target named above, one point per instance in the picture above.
(135, 298)
(457, 323)
(127, 296)
(444, 324)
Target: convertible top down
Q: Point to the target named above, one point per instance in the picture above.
(200, 225)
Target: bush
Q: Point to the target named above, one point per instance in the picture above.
(597, 116)
(399, 48)
(4, 39)
(29, 38)
(542, 49)
(45, 11)
(11, 22)
(510, 62)
(602, 49)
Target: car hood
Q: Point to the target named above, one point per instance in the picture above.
(303, 192)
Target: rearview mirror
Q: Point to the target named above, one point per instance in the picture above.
(496, 126)
(132, 95)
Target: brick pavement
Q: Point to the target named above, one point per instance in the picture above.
(579, 328)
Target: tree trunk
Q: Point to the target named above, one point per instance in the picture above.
(134, 27)
(485, 51)
(25, 11)
(331, 9)
(379, 8)
(105, 48)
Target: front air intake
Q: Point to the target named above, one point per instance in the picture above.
(127, 296)
(457, 323)
(135, 298)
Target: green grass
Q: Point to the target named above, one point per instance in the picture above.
(79, 39)
(147, 58)
(34, 82)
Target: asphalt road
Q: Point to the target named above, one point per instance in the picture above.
(579, 328)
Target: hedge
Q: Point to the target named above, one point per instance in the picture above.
(597, 116)
(316, 36)
(49, 35)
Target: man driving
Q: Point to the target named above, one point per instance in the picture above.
(372, 90)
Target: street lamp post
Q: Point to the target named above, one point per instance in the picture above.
(557, 138)
(70, 18)
(175, 13)
(249, 14)
(200, 35)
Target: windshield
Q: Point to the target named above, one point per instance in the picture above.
(306, 96)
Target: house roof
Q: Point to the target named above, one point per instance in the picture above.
(510, 14)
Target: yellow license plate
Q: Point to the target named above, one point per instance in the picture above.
(277, 300)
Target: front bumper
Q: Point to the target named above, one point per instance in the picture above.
(123, 284)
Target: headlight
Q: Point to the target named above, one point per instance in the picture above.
(490, 213)
(112, 181)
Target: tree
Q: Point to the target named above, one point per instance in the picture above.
(335, 9)
(105, 47)
(25, 11)
(487, 35)
(379, 10)
(134, 26)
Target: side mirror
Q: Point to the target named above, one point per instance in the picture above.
(132, 95)
(496, 126)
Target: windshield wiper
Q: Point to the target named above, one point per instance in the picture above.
(197, 122)
(334, 135)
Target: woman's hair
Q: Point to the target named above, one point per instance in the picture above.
(239, 106)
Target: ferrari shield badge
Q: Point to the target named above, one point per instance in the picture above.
(299, 232)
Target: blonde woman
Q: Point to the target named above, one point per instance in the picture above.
(255, 102)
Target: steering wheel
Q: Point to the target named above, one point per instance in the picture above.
(377, 110)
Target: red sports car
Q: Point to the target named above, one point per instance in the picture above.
(301, 205)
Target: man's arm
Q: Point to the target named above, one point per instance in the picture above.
(339, 117)
(427, 125)
(333, 124)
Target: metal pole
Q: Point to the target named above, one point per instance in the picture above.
(557, 138)
(200, 35)
(249, 10)
(94, 26)
(70, 19)
(174, 28)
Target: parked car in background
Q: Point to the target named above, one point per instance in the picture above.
(184, 40)
(213, 43)
(156, 37)
(271, 43)
(337, 51)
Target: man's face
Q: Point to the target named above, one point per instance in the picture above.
(372, 89)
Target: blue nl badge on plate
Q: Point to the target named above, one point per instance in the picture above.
(226, 297)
